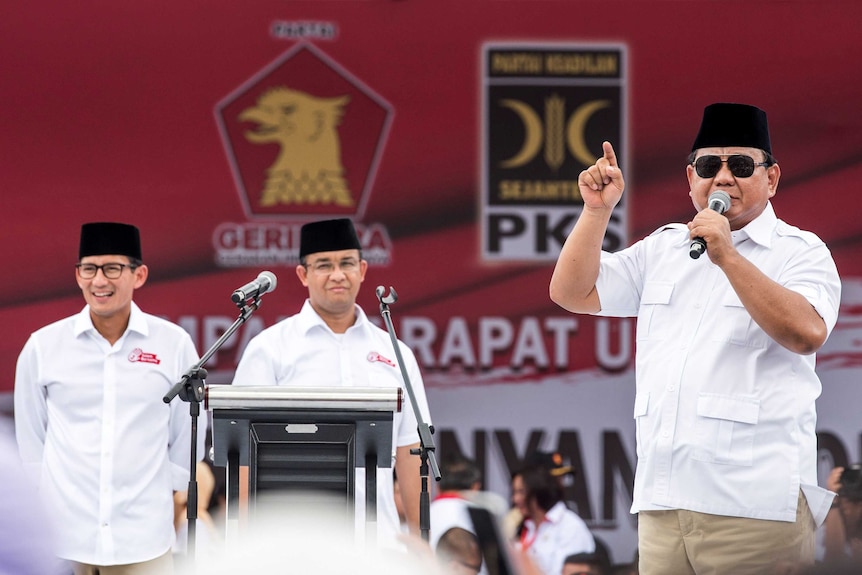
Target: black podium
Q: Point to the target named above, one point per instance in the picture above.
(302, 440)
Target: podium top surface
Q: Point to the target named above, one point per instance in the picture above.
(218, 397)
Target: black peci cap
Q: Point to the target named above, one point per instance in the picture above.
(328, 236)
(109, 238)
(726, 125)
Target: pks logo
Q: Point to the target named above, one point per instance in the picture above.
(304, 137)
(546, 111)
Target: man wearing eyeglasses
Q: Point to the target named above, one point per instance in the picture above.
(92, 428)
(726, 480)
(331, 343)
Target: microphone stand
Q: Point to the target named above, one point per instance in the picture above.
(190, 388)
(426, 451)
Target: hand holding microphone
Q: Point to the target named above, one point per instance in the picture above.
(719, 202)
(264, 283)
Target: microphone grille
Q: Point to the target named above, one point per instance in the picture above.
(272, 279)
(719, 201)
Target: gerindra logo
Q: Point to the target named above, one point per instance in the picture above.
(308, 169)
(304, 138)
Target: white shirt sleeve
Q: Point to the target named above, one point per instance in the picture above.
(31, 410)
(256, 366)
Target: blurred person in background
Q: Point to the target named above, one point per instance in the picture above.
(513, 520)
(595, 563)
(208, 536)
(292, 535)
(458, 552)
(550, 531)
(26, 530)
(842, 530)
(459, 477)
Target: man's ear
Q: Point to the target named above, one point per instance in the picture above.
(773, 173)
(302, 274)
(363, 267)
(142, 272)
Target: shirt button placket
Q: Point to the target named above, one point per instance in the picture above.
(344, 360)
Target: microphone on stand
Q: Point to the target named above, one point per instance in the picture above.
(719, 202)
(264, 283)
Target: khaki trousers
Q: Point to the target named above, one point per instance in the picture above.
(163, 565)
(682, 542)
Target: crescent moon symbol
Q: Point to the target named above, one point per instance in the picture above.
(533, 133)
(575, 130)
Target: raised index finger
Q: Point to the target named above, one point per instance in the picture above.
(610, 155)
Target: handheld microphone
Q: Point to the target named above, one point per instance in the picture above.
(719, 202)
(264, 283)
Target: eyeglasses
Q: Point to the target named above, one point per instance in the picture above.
(740, 166)
(326, 267)
(111, 271)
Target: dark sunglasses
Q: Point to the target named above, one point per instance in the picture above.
(740, 166)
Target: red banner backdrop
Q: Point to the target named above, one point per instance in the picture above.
(220, 127)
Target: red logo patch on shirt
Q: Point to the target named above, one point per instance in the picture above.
(374, 356)
(142, 356)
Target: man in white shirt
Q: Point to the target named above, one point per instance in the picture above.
(331, 342)
(90, 420)
(726, 479)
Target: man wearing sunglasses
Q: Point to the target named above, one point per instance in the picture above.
(726, 480)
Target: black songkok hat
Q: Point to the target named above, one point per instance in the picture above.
(110, 238)
(328, 236)
(725, 125)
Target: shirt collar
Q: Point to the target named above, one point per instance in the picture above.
(450, 495)
(137, 321)
(556, 512)
(309, 319)
(553, 515)
(760, 229)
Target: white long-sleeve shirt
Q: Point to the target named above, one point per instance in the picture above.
(302, 351)
(93, 430)
(725, 415)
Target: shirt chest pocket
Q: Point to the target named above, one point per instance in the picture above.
(378, 369)
(725, 427)
(736, 326)
(654, 317)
